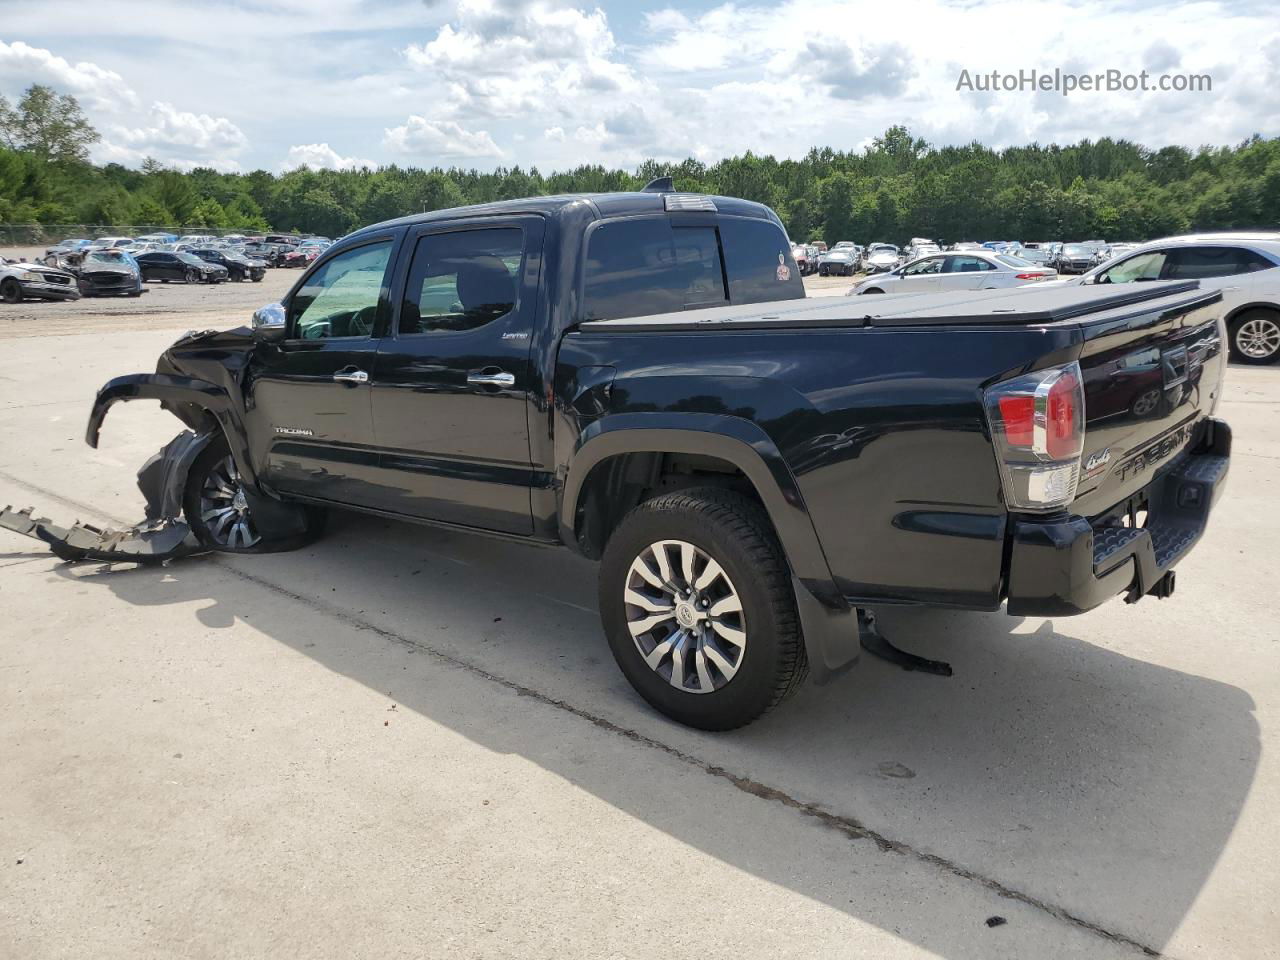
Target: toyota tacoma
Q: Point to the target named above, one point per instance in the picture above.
(638, 377)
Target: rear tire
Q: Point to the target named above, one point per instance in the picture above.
(734, 665)
(1255, 337)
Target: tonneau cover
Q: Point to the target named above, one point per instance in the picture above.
(1033, 304)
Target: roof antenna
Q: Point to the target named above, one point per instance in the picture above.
(659, 185)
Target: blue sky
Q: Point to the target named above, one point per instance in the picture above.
(246, 84)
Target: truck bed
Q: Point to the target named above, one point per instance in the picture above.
(1030, 305)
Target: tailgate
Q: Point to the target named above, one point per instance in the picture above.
(1149, 379)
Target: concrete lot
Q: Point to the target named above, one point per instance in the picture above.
(405, 742)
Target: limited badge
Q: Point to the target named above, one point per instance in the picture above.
(784, 272)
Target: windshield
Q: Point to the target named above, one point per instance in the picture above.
(1077, 250)
(191, 258)
(883, 248)
(113, 257)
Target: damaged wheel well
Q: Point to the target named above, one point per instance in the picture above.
(618, 483)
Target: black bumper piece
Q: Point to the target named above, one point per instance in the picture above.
(1068, 566)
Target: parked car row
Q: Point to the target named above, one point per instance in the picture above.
(273, 250)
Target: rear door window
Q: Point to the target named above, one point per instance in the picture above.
(462, 280)
(1200, 263)
(967, 265)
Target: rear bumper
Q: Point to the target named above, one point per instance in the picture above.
(1067, 566)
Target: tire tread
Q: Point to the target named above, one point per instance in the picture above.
(746, 522)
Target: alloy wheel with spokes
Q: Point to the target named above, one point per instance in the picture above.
(697, 602)
(224, 508)
(685, 616)
(1258, 337)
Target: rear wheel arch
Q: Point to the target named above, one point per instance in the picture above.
(695, 450)
(752, 466)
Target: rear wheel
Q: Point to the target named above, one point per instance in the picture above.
(696, 601)
(10, 291)
(1255, 336)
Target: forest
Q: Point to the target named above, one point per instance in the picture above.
(897, 187)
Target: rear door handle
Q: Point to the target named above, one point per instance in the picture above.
(351, 375)
(491, 379)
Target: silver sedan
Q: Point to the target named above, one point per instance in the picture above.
(966, 270)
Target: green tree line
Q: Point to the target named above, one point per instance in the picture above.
(898, 186)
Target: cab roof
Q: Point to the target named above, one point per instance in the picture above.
(604, 205)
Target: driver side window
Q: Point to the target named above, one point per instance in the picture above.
(341, 298)
(932, 265)
(1145, 266)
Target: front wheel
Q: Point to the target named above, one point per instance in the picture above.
(1255, 337)
(697, 605)
(219, 509)
(10, 291)
(192, 276)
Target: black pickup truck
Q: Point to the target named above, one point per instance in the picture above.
(639, 377)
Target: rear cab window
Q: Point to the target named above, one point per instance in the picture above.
(648, 265)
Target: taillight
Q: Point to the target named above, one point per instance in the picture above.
(1031, 276)
(1037, 427)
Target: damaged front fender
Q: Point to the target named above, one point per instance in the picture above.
(201, 405)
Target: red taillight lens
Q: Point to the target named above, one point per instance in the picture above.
(1037, 428)
(1019, 416)
(1061, 438)
(1031, 276)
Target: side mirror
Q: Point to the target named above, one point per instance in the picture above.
(269, 323)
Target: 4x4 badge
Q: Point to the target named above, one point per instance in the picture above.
(1097, 461)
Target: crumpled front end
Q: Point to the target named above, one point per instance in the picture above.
(161, 537)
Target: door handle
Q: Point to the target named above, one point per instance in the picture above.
(491, 379)
(350, 375)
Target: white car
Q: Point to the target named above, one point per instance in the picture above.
(110, 243)
(1244, 266)
(964, 270)
(881, 257)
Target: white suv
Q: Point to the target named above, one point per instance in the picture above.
(1244, 266)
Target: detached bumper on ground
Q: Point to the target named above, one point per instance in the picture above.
(1068, 566)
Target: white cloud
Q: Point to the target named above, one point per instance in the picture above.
(321, 156)
(580, 84)
(431, 140)
(508, 58)
(179, 138)
(22, 65)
